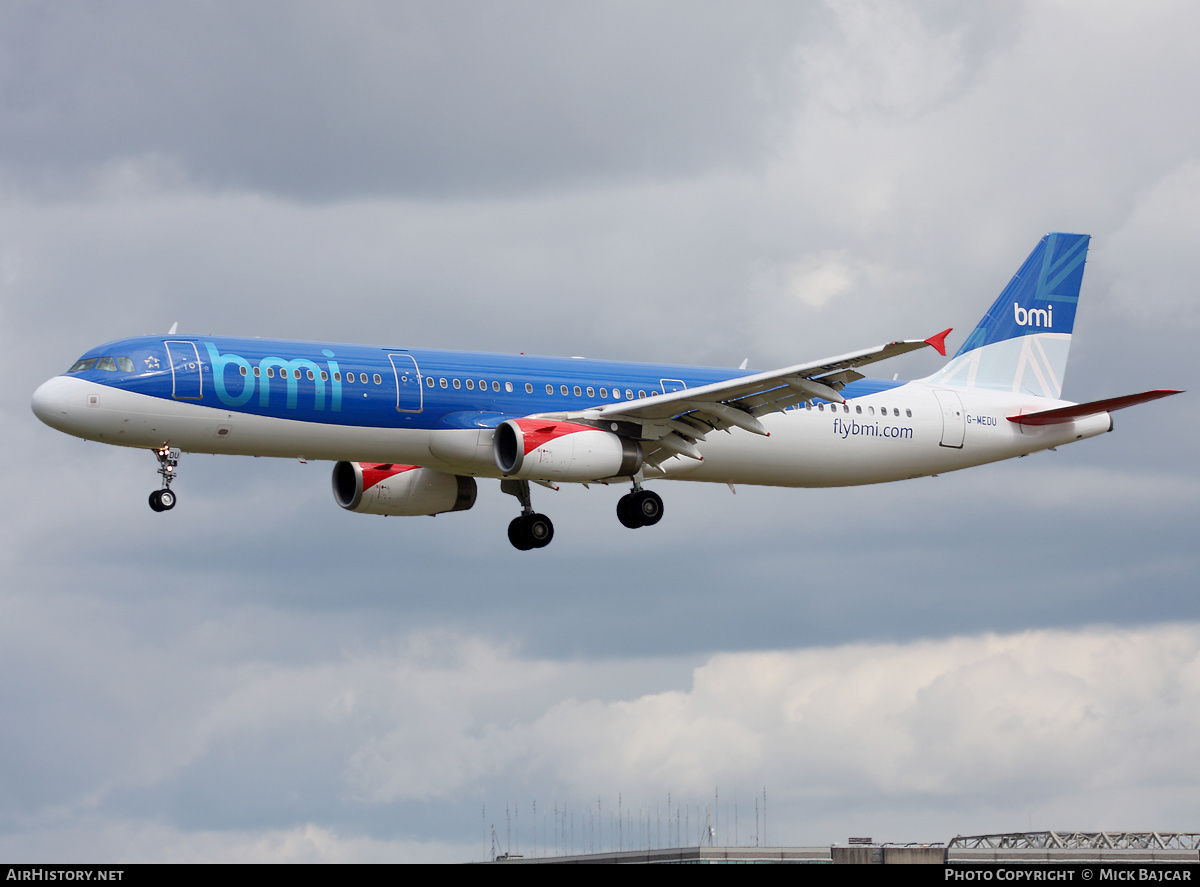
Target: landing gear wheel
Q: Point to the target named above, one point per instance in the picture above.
(530, 531)
(640, 509)
(649, 507)
(540, 530)
(168, 459)
(627, 514)
(520, 539)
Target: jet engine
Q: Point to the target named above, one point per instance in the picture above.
(385, 488)
(540, 449)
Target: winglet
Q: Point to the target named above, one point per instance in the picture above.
(939, 341)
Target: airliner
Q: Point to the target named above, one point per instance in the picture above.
(410, 430)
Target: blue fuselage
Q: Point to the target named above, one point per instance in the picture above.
(367, 386)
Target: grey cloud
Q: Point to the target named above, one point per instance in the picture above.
(370, 98)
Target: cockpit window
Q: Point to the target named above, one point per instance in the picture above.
(111, 364)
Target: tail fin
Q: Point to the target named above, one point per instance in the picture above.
(1021, 345)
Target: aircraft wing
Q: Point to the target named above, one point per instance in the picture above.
(670, 424)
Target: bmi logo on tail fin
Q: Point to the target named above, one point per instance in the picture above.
(1022, 343)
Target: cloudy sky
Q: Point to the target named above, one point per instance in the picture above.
(259, 675)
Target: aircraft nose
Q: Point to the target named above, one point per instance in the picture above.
(51, 402)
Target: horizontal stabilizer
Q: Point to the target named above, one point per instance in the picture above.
(1080, 410)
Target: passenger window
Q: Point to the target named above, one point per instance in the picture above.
(482, 385)
(563, 389)
(908, 413)
(858, 409)
(591, 391)
(337, 377)
(821, 407)
(629, 394)
(578, 391)
(310, 375)
(870, 411)
(528, 388)
(457, 384)
(641, 394)
(441, 382)
(242, 370)
(604, 393)
(470, 384)
(808, 404)
(429, 381)
(270, 372)
(549, 389)
(324, 376)
(508, 387)
(495, 386)
(616, 394)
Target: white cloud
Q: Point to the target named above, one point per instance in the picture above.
(1040, 720)
(888, 59)
(1151, 258)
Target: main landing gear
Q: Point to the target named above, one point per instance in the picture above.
(168, 461)
(530, 530)
(639, 508)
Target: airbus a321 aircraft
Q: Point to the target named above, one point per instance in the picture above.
(411, 430)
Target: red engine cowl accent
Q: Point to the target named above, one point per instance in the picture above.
(540, 449)
(384, 488)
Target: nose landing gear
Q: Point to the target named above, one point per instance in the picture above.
(168, 461)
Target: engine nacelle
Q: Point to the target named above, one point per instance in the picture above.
(384, 488)
(542, 449)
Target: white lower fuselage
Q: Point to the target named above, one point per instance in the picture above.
(909, 431)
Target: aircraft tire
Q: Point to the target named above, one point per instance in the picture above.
(540, 530)
(649, 507)
(627, 512)
(166, 500)
(518, 535)
(155, 502)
